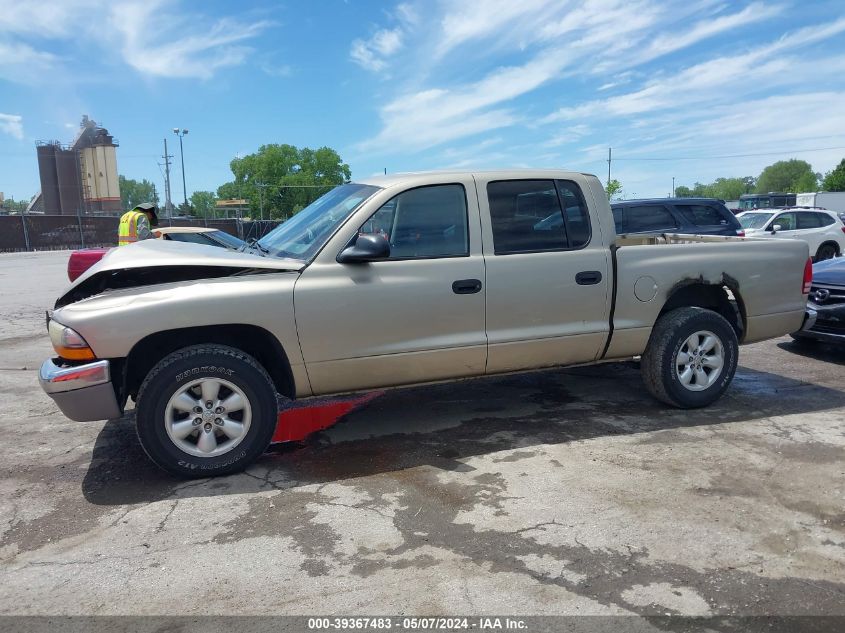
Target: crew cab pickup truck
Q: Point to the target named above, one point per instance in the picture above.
(400, 280)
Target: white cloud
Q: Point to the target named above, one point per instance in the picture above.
(19, 62)
(12, 124)
(375, 52)
(701, 81)
(46, 19)
(558, 38)
(669, 42)
(162, 44)
(372, 53)
(155, 37)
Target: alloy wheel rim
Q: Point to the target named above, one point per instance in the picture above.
(700, 361)
(207, 417)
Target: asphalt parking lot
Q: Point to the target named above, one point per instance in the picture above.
(558, 492)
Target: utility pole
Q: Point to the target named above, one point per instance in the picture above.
(168, 205)
(181, 134)
(609, 158)
(673, 186)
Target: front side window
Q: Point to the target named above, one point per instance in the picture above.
(649, 218)
(786, 220)
(527, 216)
(424, 222)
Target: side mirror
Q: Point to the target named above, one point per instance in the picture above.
(776, 228)
(367, 248)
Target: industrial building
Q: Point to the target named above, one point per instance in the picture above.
(81, 178)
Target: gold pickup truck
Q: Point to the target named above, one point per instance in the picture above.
(401, 280)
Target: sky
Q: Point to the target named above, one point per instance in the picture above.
(695, 89)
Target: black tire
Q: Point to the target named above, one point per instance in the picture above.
(668, 338)
(826, 251)
(180, 369)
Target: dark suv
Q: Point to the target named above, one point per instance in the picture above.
(698, 216)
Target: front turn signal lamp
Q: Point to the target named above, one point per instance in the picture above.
(68, 343)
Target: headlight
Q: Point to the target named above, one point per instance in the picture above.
(68, 343)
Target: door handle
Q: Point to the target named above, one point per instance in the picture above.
(588, 278)
(466, 286)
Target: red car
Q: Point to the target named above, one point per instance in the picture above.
(83, 259)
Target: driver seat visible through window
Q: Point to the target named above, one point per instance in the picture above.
(426, 222)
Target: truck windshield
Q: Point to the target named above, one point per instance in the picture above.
(754, 220)
(302, 236)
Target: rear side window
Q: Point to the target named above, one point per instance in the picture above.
(809, 221)
(423, 222)
(528, 217)
(825, 219)
(649, 218)
(704, 214)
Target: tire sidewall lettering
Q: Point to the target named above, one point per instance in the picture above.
(204, 370)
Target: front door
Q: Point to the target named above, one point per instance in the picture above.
(549, 284)
(415, 317)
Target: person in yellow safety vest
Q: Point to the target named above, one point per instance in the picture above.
(135, 224)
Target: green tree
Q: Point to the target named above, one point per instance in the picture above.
(133, 192)
(683, 192)
(613, 189)
(785, 175)
(806, 182)
(10, 205)
(834, 180)
(280, 180)
(203, 204)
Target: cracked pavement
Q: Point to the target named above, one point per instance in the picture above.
(558, 492)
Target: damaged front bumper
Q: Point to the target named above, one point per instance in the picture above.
(84, 393)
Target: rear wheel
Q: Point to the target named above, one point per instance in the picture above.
(206, 410)
(691, 357)
(826, 251)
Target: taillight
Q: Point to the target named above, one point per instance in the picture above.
(808, 276)
(740, 232)
(843, 229)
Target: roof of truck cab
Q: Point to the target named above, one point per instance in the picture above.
(639, 201)
(424, 177)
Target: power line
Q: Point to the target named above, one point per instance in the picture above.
(780, 153)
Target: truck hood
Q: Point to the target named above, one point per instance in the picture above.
(154, 262)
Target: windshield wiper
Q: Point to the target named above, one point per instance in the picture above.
(253, 244)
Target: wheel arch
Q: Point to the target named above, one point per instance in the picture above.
(837, 250)
(251, 339)
(722, 297)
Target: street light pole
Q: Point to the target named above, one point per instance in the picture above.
(181, 133)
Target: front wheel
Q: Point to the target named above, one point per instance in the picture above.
(206, 410)
(691, 357)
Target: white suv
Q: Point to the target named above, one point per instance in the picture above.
(823, 230)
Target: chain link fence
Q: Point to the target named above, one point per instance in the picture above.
(20, 233)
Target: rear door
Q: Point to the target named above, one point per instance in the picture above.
(709, 219)
(548, 283)
(648, 218)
